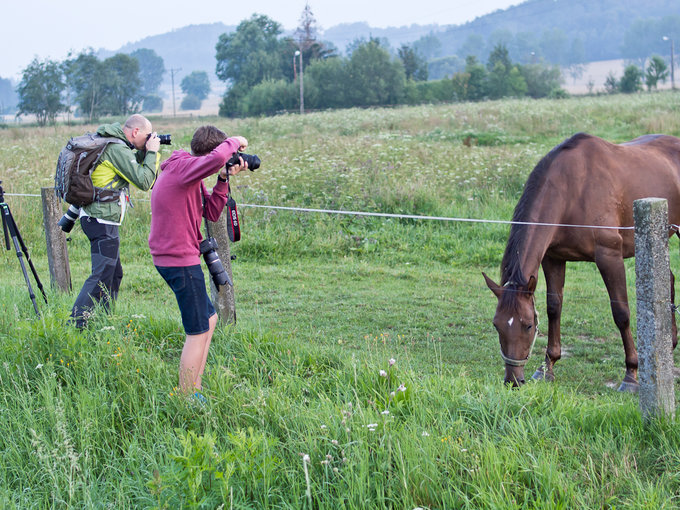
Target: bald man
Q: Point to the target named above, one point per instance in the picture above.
(133, 160)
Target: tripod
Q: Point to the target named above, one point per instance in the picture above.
(10, 229)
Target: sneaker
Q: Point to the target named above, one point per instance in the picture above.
(200, 398)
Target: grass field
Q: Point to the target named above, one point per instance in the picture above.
(299, 413)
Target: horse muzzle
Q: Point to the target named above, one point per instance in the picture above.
(514, 375)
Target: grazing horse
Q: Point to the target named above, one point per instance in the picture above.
(583, 181)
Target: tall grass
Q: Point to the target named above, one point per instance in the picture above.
(363, 371)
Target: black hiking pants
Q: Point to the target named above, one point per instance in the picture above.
(102, 285)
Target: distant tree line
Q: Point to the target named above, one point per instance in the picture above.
(559, 32)
(262, 69)
(91, 88)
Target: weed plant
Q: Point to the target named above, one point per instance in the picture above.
(363, 371)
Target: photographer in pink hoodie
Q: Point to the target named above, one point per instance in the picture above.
(179, 202)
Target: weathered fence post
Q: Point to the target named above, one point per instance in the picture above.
(223, 300)
(57, 252)
(653, 291)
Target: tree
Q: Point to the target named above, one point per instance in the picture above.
(373, 77)
(656, 71)
(248, 56)
(611, 83)
(631, 81)
(123, 86)
(415, 66)
(151, 70)
(86, 77)
(196, 84)
(541, 80)
(8, 97)
(475, 84)
(326, 83)
(191, 102)
(40, 91)
(504, 79)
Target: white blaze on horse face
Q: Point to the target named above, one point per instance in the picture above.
(512, 319)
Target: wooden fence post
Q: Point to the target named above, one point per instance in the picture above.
(223, 299)
(57, 251)
(654, 342)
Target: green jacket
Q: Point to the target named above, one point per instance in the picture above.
(119, 166)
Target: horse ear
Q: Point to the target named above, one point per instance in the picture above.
(495, 288)
(531, 286)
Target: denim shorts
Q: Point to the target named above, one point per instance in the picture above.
(188, 284)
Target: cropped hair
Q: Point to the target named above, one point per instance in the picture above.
(206, 139)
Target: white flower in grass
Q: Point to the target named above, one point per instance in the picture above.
(401, 387)
(385, 412)
(383, 373)
(425, 434)
(38, 366)
(392, 361)
(305, 458)
(323, 427)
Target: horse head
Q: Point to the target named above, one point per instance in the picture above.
(516, 321)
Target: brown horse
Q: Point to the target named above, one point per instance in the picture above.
(583, 181)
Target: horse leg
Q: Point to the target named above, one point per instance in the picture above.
(610, 263)
(554, 271)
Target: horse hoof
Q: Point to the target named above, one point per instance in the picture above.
(629, 387)
(540, 375)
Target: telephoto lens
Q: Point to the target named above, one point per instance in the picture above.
(212, 260)
(69, 219)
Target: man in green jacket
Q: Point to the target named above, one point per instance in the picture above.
(135, 161)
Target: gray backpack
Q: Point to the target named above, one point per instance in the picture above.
(73, 177)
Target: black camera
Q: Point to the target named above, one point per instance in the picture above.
(252, 160)
(165, 139)
(69, 218)
(212, 260)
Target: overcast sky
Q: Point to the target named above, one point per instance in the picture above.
(50, 28)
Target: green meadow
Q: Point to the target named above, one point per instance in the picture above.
(363, 370)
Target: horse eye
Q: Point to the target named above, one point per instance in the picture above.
(529, 327)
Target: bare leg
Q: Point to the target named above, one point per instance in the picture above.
(193, 359)
(198, 381)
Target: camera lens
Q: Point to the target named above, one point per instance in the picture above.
(69, 218)
(165, 139)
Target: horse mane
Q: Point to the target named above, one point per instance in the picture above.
(511, 270)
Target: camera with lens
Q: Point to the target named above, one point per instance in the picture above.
(165, 139)
(69, 218)
(219, 275)
(252, 160)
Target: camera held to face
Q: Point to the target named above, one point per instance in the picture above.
(69, 218)
(165, 139)
(212, 260)
(251, 159)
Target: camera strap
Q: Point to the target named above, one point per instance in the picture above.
(233, 225)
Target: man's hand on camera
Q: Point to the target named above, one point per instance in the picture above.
(153, 143)
(234, 169)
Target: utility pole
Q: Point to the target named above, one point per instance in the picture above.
(302, 93)
(666, 38)
(172, 79)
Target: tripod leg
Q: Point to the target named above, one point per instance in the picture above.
(9, 226)
(28, 257)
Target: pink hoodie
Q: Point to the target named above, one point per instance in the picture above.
(177, 207)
